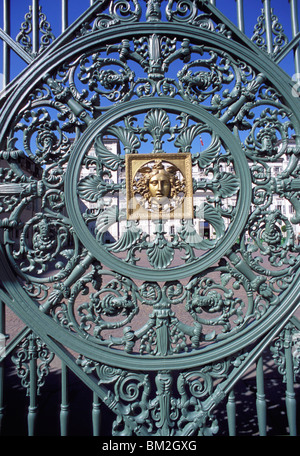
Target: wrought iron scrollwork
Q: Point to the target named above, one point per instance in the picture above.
(140, 286)
(153, 403)
(32, 349)
(24, 38)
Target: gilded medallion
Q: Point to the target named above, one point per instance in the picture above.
(159, 186)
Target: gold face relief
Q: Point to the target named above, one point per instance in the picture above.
(159, 186)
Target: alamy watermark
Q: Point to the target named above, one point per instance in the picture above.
(2, 345)
(296, 86)
(168, 211)
(296, 344)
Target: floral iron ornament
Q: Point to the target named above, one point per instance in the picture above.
(161, 261)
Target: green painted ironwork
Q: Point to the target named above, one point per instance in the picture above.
(163, 325)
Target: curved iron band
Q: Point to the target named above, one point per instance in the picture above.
(142, 105)
(51, 332)
(27, 309)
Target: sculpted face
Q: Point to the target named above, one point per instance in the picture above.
(160, 185)
(157, 185)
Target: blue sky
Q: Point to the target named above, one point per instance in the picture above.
(52, 9)
(228, 7)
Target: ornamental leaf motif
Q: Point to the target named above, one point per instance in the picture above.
(131, 234)
(160, 254)
(157, 119)
(157, 123)
(229, 185)
(190, 235)
(187, 136)
(205, 157)
(107, 158)
(129, 140)
(212, 216)
(106, 219)
(108, 374)
(89, 188)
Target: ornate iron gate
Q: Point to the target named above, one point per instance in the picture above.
(147, 157)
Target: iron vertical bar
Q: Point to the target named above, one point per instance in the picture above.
(96, 415)
(295, 31)
(231, 413)
(240, 15)
(6, 48)
(261, 407)
(64, 406)
(268, 21)
(290, 399)
(223, 389)
(32, 409)
(35, 26)
(64, 15)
